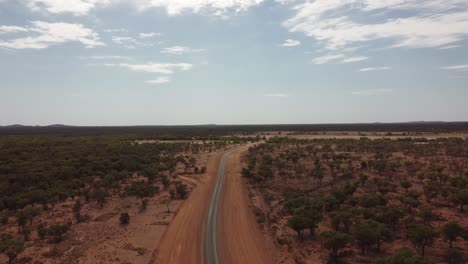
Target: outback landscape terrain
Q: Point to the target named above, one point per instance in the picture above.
(370, 193)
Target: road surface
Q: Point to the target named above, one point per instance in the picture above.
(215, 224)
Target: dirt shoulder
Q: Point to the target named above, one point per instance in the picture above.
(183, 240)
(239, 237)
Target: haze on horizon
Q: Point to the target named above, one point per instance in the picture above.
(186, 62)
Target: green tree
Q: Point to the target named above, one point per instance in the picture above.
(58, 230)
(10, 246)
(181, 190)
(460, 198)
(404, 256)
(369, 233)
(451, 231)
(334, 242)
(421, 236)
(298, 223)
(454, 256)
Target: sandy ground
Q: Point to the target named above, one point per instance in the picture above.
(239, 237)
(183, 241)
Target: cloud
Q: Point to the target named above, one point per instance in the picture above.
(46, 34)
(291, 43)
(337, 24)
(159, 80)
(180, 50)
(463, 67)
(277, 95)
(12, 29)
(149, 35)
(162, 68)
(215, 7)
(172, 7)
(338, 58)
(372, 92)
(129, 42)
(108, 57)
(75, 7)
(385, 68)
(115, 30)
(354, 59)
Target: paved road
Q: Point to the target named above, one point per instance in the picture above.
(211, 246)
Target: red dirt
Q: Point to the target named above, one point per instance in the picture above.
(239, 237)
(183, 240)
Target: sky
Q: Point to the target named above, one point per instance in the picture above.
(188, 62)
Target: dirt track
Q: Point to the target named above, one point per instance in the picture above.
(239, 238)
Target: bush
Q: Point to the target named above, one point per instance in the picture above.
(57, 231)
(454, 256)
(144, 204)
(124, 218)
(181, 190)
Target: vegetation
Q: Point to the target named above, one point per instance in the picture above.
(365, 194)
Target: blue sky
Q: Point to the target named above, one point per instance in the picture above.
(171, 62)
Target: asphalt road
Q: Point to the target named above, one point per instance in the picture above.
(211, 247)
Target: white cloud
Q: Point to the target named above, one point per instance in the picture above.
(385, 68)
(216, 7)
(162, 68)
(277, 95)
(354, 59)
(46, 34)
(457, 67)
(180, 50)
(115, 30)
(12, 29)
(130, 42)
(338, 58)
(149, 35)
(433, 23)
(108, 57)
(75, 7)
(291, 43)
(159, 80)
(172, 7)
(372, 92)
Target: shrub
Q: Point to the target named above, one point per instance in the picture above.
(124, 218)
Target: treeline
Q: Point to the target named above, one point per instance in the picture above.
(223, 130)
(40, 170)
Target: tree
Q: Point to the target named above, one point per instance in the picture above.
(298, 223)
(181, 190)
(421, 236)
(451, 231)
(124, 218)
(454, 256)
(460, 198)
(100, 195)
(334, 242)
(10, 246)
(427, 215)
(404, 256)
(77, 211)
(21, 219)
(58, 230)
(431, 190)
(370, 233)
(406, 184)
(363, 178)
